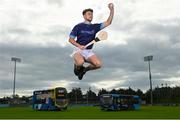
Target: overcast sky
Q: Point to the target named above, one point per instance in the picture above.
(37, 32)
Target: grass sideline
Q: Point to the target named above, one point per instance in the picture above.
(146, 112)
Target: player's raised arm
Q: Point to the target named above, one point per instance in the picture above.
(110, 18)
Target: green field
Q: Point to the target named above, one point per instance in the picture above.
(92, 112)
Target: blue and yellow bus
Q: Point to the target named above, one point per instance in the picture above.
(52, 99)
(119, 102)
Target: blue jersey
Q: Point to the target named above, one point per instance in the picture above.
(85, 32)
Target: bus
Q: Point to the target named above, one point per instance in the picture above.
(119, 102)
(52, 99)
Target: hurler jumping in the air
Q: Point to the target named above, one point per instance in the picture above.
(82, 34)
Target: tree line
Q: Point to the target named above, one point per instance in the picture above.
(161, 95)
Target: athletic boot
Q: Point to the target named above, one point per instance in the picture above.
(76, 71)
(81, 73)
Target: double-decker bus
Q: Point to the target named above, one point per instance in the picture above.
(119, 102)
(52, 99)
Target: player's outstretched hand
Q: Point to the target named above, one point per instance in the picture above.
(111, 6)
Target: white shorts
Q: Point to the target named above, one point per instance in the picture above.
(85, 53)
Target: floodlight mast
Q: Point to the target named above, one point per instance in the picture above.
(148, 59)
(15, 59)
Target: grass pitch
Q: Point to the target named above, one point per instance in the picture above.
(146, 112)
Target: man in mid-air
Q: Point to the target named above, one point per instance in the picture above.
(85, 32)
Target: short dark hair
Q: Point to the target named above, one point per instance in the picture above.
(87, 10)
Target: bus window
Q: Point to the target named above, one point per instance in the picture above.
(135, 101)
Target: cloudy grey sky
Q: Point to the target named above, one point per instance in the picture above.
(37, 32)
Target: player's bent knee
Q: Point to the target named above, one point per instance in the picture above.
(98, 64)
